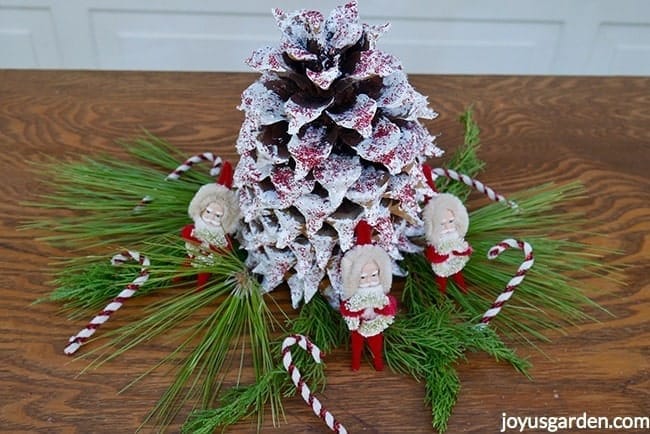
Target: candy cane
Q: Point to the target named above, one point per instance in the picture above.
(494, 252)
(80, 338)
(195, 159)
(143, 202)
(474, 183)
(309, 398)
(180, 170)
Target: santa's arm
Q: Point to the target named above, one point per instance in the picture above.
(225, 249)
(433, 256)
(346, 312)
(465, 252)
(390, 309)
(186, 233)
(352, 318)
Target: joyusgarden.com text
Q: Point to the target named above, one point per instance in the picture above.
(572, 423)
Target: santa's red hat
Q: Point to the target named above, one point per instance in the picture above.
(226, 175)
(363, 232)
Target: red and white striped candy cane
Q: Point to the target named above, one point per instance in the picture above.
(494, 252)
(474, 183)
(180, 170)
(304, 390)
(195, 159)
(80, 338)
(143, 202)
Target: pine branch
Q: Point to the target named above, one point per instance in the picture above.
(242, 316)
(549, 298)
(84, 284)
(465, 159)
(205, 346)
(105, 195)
(420, 288)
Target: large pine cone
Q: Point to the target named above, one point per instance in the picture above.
(331, 136)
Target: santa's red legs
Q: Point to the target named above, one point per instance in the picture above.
(366, 306)
(445, 225)
(215, 212)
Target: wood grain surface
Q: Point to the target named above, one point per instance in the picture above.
(534, 129)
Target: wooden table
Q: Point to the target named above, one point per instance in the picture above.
(534, 129)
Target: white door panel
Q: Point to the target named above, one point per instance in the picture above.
(429, 36)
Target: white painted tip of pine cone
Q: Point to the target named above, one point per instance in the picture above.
(76, 341)
(303, 389)
(476, 184)
(493, 253)
(196, 159)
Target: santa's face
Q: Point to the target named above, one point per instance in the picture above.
(448, 226)
(212, 214)
(369, 275)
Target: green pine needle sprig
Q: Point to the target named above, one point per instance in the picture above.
(465, 158)
(85, 288)
(105, 197)
(84, 284)
(211, 330)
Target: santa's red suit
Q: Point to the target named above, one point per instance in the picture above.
(447, 261)
(202, 247)
(353, 309)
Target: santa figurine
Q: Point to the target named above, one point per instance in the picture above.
(366, 306)
(215, 212)
(445, 225)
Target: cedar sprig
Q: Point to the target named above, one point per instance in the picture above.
(236, 404)
(442, 383)
(441, 386)
(427, 345)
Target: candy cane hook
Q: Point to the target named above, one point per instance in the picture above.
(304, 390)
(476, 184)
(494, 252)
(195, 159)
(80, 338)
(183, 168)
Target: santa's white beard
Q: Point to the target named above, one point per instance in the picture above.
(449, 241)
(209, 232)
(366, 291)
(448, 236)
(368, 297)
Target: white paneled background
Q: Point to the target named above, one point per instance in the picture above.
(430, 36)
